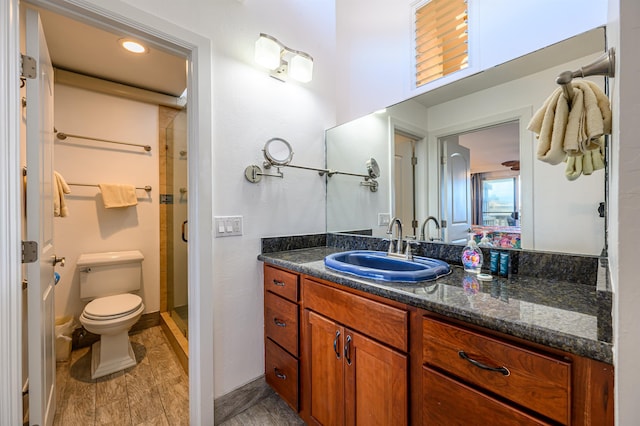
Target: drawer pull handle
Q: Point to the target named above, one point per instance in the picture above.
(279, 323)
(347, 350)
(278, 283)
(504, 370)
(335, 344)
(279, 375)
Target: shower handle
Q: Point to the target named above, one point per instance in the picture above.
(184, 225)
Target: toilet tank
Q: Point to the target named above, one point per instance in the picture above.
(106, 274)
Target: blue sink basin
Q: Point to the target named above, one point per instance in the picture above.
(377, 265)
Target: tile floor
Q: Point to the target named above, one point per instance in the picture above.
(154, 392)
(271, 411)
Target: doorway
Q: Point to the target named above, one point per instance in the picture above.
(197, 49)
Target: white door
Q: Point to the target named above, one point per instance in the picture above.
(40, 290)
(456, 189)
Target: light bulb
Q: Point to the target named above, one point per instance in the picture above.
(267, 52)
(301, 68)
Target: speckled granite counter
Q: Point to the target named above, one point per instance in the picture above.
(573, 317)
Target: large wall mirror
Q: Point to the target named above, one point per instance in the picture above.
(461, 155)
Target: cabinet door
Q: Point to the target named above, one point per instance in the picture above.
(375, 382)
(325, 339)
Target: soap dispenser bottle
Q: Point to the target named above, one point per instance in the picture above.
(472, 256)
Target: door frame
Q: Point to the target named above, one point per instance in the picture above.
(198, 51)
(420, 135)
(527, 147)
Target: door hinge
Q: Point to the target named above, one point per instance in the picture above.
(443, 224)
(28, 67)
(414, 161)
(29, 251)
(443, 160)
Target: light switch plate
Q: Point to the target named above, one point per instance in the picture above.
(228, 226)
(384, 219)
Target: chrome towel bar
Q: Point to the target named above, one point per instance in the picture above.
(63, 136)
(146, 187)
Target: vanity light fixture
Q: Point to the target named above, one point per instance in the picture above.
(132, 46)
(283, 61)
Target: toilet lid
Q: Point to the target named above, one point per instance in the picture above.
(112, 306)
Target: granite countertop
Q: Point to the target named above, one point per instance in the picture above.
(573, 317)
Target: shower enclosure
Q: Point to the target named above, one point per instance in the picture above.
(173, 228)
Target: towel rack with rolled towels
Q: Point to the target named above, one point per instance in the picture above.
(62, 136)
(604, 65)
(146, 187)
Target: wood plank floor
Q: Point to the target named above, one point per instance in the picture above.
(154, 392)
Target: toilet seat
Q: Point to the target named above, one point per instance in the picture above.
(112, 307)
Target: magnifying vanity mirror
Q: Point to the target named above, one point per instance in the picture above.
(372, 168)
(433, 144)
(277, 152)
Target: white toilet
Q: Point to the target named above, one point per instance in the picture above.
(107, 280)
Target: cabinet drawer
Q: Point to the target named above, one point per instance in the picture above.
(281, 373)
(379, 321)
(444, 397)
(534, 380)
(281, 322)
(281, 282)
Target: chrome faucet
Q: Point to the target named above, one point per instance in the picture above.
(398, 247)
(424, 225)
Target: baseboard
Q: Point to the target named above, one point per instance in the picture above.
(236, 401)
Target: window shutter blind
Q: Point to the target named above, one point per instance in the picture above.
(441, 39)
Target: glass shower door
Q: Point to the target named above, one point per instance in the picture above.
(177, 190)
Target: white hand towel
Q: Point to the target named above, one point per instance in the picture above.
(550, 123)
(561, 132)
(590, 118)
(585, 164)
(118, 195)
(60, 188)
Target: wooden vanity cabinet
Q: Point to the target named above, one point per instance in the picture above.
(281, 319)
(355, 363)
(343, 357)
(478, 375)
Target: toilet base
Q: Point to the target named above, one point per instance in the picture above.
(112, 353)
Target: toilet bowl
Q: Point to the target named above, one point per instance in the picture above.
(112, 317)
(105, 280)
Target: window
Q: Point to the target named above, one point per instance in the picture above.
(500, 204)
(441, 39)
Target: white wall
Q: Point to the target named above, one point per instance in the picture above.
(90, 228)
(624, 31)
(249, 108)
(375, 43)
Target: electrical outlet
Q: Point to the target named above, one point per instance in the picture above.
(228, 226)
(384, 219)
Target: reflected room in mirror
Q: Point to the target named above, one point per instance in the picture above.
(459, 159)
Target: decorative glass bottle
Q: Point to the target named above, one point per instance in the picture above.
(472, 256)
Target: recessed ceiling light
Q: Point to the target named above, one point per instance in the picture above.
(132, 46)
